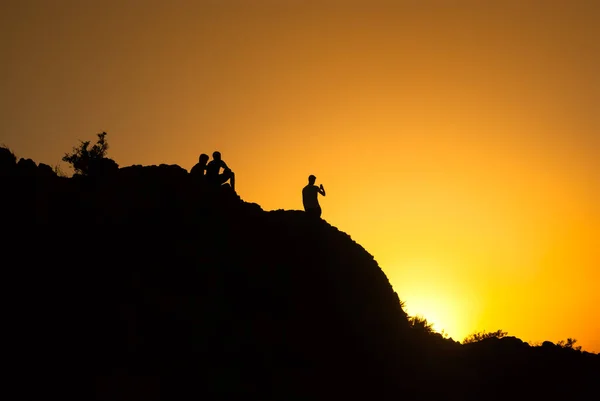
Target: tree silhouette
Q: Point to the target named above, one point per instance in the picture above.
(82, 157)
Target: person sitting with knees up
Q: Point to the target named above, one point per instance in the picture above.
(197, 172)
(214, 175)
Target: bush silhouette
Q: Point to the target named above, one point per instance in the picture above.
(569, 343)
(421, 324)
(82, 158)
(483, 335)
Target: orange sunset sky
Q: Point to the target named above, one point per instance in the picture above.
(458, 141)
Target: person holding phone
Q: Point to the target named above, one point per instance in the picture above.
(310, 195)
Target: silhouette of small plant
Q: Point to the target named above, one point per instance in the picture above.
(82, 157)
(420, 323)
(483, 335)
(569, 343)
(403, 309)
(59, 171)
(444, 335)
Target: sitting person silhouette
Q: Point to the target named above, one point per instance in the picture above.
(213, 168)
(309, 197)
(197, 172)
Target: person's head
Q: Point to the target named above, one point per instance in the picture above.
(311, 179)
(217, 155)
(203, 159)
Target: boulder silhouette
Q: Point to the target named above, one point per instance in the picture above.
(102, 167)
(8, 162)
(152, 287)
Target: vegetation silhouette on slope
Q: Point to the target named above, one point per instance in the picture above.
(156, 288)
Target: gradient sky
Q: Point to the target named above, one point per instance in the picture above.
(458, 141)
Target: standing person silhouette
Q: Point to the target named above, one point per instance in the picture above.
(214, 167)
(310, 195)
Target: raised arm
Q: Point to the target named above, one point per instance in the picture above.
(321, 190)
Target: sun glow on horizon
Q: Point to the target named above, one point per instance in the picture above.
(436, 299)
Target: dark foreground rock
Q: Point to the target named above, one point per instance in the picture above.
(140, 284)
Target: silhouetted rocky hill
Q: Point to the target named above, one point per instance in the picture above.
(138, 283)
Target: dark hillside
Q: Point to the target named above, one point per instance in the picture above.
(144, 285)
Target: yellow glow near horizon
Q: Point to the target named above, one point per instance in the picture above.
(440, 305)
(457, 148)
